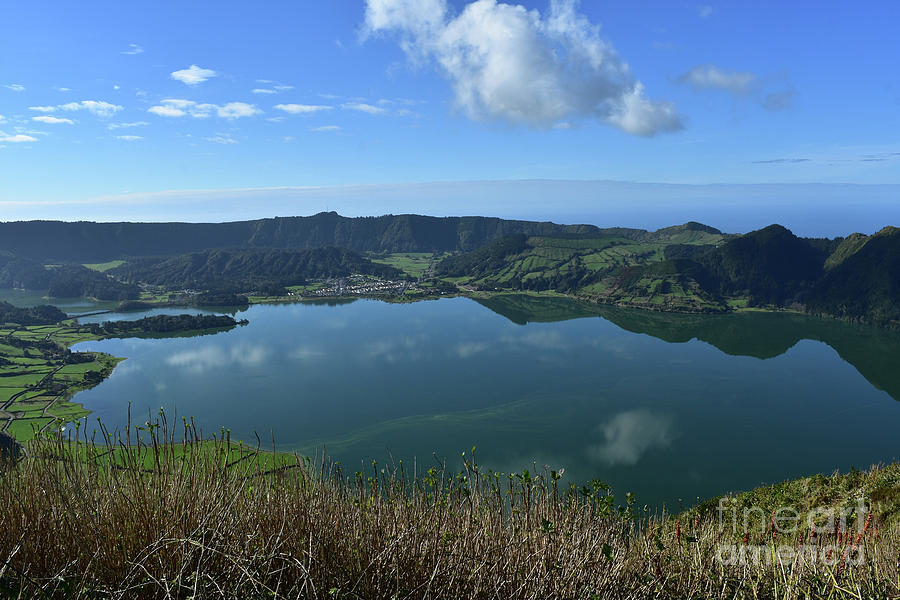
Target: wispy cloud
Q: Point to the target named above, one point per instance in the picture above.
(16, 138)
(516, 65)
(95, 107)
(129, 138)
(51, 120)
(301, 109)
(705, 11)
(177, 107)
(775, 161)
(363, 107)
(15, 87)
(711, 77)
(133, 49)
(222, 138)
(779, 100)
(326, 128)
(193, 75)
(264, 91)
(114, 126)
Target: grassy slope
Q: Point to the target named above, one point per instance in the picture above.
(601, 265)
(104, 266)
(203, 519)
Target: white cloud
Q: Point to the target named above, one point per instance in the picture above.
(264, 91)
(17, 138)
(363, 107)
(51, 120)
(637, 115)
(133, 49)
(96, 107)
(15, 87)
(62, 89)
(177, 107)
(326, 128)
(129, 138)
(222, 138)
(711, 77)
(113, 126)
(509, 63)
(193, 75)
(44, 109)
(2, 118)
(234, 110)
(166, 110)
(705, 11)
(283, 88)
(301, 109)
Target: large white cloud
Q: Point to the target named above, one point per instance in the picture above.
(193, 75)
(509, 63)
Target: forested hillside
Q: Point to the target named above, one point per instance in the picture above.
(865, 281)
(62, 281)
(245, 269)
(697, 269)
(96, 242)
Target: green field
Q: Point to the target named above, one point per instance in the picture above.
(36, 381)
(414, 264)
(106, 266)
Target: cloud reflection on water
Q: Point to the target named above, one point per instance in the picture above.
(212, 357)
(631, 434)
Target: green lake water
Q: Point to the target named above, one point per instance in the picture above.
(666, 406)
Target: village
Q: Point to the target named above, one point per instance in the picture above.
(358, 285)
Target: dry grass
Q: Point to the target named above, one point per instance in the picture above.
(166, 519)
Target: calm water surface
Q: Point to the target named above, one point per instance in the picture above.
(666, 406)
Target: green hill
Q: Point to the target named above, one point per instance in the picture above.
(611, 267)
(87, 242)
(769, 266)
(243, 269)
(864, 283)
(61, 281)
(695, 268)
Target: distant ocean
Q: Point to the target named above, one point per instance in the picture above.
(807, 209)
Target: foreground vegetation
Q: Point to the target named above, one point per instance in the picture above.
(166, 519)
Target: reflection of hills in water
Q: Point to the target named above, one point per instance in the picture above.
(874, 352)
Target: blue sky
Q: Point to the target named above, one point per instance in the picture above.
(106, 104)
